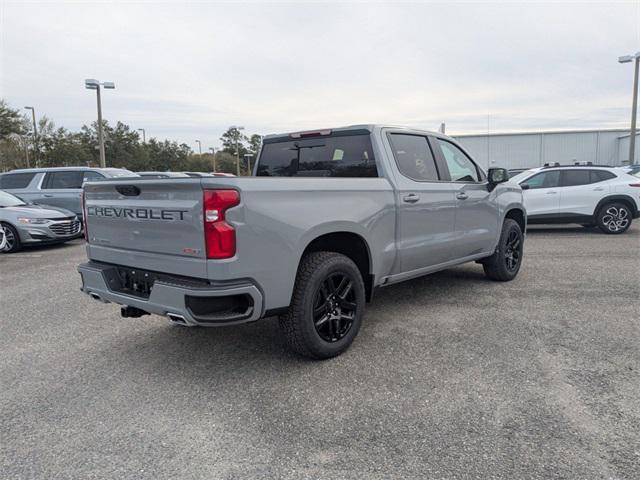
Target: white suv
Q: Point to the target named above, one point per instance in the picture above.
(588, 195)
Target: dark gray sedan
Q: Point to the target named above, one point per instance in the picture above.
(28, 224)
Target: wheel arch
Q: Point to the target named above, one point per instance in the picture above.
(517, 214)
(350, 244)
(626, 199)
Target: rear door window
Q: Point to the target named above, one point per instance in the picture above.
(414, 157)
(572, 178)
(340, 156)
(16, 180)
(63, 180)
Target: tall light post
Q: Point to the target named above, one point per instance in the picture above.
(248, 157)
(35, 135)
(213, 152)
(199, 147)
(634, 106)
(237, 129)
(93, 84)
(144, 135)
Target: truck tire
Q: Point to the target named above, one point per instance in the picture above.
(12, 238)
(505, 263)
(614, 218)
(327, 306)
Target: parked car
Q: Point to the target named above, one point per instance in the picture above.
(28, 224)
(57, 187)
(163, 175)
(344, 211)
(593, 195)
(631, 169)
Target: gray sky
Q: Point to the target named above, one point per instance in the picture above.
(188, 70)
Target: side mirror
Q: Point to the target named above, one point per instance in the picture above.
(525, 186)
(496, 176)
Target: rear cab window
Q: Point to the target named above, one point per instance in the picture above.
(16, 180)
(345, 155)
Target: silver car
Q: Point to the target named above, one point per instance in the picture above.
(57, 187)
(26, 224)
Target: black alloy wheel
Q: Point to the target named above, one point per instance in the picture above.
(334, 307)
(513, 251)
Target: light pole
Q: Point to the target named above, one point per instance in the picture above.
(93, 84)
(35, 135)
(634, 106)
(199, 147)
(144, 135)
(213, 152)
(248, 157)
(237, 129)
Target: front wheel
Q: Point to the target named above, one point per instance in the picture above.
(505, 263)
(327, 306)
(614, 218)
(11, 239)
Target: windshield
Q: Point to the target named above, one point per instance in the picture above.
(8, 200)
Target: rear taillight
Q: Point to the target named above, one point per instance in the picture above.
(634, 184)
(219, 236)
(84, 216)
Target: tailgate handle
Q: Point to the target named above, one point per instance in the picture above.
(128, 190)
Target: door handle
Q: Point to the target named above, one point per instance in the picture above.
(551, 193)
(411, 198)
(48, 195)
(599, 189)
(461, 196)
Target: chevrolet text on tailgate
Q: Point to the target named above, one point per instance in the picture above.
(329, 216)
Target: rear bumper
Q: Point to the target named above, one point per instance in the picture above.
(177, 298)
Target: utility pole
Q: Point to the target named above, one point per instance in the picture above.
(237, 129)
(213, 152)
(634, 106)
(93, 84)
(35, 136)
(144, 135)
(199, 146)
(248, 157)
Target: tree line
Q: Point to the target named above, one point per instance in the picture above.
(124, 148)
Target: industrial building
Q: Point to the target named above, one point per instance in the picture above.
(534, 149)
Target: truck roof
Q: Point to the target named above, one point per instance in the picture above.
(53, 169)
(370, 127)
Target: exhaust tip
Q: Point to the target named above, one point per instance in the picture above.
(174, 317)
(95, 296)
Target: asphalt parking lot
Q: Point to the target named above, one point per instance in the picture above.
(452, 376)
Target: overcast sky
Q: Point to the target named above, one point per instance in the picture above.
(186, 71)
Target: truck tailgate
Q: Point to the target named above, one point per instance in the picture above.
(158, 218)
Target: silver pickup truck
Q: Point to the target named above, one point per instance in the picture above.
(328, 217)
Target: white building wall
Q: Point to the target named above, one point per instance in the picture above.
(522, 150)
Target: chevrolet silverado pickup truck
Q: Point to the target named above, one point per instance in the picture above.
(327, 217)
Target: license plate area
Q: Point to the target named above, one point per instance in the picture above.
(139, 282)
(131, 281)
